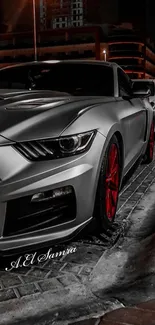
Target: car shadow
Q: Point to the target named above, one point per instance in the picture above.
(136, 279)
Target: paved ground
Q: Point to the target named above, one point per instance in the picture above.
(98, 277)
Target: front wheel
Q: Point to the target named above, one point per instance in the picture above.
(108, 186)
(149, 151)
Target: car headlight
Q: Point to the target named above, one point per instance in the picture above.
(70, 144)
(56, 148)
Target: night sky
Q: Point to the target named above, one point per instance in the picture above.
(151, 18)
(141, 13)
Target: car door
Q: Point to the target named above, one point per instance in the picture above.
(133, 118)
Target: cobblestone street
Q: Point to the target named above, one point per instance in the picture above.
(62, 275)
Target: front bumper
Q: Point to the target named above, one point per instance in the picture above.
(22, 179)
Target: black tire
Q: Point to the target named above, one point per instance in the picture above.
(103, 220)
(148, 157)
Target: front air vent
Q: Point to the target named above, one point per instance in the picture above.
(23, 215)
(35, 150)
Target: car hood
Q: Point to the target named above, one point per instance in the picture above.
(38, 115)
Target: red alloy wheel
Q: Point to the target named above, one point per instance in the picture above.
(151, 141)
(112, 182)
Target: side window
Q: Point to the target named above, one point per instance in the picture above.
(124, 83)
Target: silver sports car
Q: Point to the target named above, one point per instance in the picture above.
(69, 132)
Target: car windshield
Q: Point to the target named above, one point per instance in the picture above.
(79, 79)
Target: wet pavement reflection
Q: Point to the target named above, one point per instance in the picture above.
(135, 281)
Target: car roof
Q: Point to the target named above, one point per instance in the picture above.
(35, 63)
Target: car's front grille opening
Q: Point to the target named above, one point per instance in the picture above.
(40, 211)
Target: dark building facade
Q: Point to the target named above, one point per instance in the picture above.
(17, 15)
(69, 29)
(134, 53)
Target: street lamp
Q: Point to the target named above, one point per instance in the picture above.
(34, 30)
(105, 55)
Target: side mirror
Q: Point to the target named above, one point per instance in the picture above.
(143, 84)
(141, 93)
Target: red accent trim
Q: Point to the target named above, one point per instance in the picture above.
(125, 57)
(134, 71)
(125, 42)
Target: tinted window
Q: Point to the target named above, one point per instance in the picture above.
(125, 83)
(14, 78)
(77, 79)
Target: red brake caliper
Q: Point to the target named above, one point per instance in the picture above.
(112, 182)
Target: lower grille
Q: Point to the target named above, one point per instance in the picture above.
(23, 215)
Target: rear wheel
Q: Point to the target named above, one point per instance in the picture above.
(149, 151)
(108, 186)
